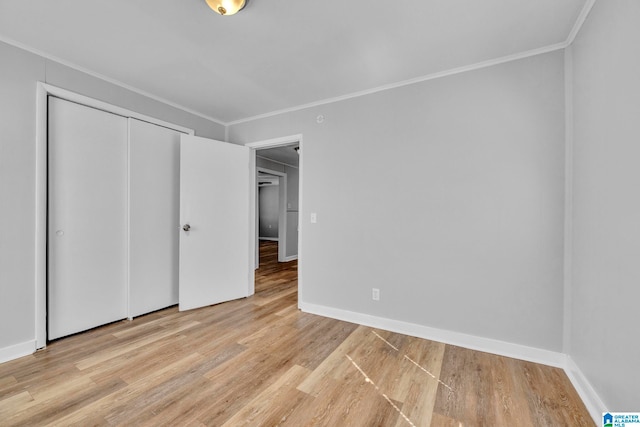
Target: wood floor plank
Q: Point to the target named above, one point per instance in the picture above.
(261, 361)
(115, 404)
(268, 404)
(438, 420)
(468, 373)
(8, 404)
(419, 380)
(129, 346)
(336, 360)
(250, 378)
(59, 402)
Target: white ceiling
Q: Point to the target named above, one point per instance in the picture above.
(278, 54)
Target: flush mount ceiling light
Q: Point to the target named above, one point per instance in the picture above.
(226, 7)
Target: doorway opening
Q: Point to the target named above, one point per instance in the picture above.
(277, 171)
(278, 191)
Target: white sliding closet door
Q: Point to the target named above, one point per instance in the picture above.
(87, 218)
(154, 200)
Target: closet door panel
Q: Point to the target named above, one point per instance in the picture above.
(154, 213)
(87, 218)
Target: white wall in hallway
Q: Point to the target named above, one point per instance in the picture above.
(268, 198)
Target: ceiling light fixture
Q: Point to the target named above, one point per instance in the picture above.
(226, 7)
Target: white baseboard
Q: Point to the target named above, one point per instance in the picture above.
(487, 345)
(587, 393)
(592, 401)
(270, 239)
(291, 258)
(17, 350)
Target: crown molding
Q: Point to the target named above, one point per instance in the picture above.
(584, 13)
(582, 17)
(433, 76)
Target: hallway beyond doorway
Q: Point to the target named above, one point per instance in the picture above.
(274, 276)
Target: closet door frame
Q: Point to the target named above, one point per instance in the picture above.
(40, 268)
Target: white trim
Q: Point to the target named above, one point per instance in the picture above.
(275, 142)
(105, 106)
(17, 350)
(488, 345)
(300, 222)
(582, 17)
(40, 264)
(128, 231)
(107, 79)
(446, 73)
(269, 239)
(251, 235)
(291, 258)
(585, 390)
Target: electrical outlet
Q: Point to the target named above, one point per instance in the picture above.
(375, 294)
(314, 217)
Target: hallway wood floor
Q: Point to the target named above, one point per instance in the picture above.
(261, 362)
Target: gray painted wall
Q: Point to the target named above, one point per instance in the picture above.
(605, 340)
(19, 73)
(268, 198)
(447, 195)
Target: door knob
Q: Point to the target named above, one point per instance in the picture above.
(186, 227)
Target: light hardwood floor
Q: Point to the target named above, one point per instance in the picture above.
(261, 362)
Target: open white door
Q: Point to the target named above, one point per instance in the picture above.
(214, 218)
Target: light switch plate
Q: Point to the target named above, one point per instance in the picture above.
(314, 218)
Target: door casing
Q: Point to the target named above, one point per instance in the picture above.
(253, 232)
